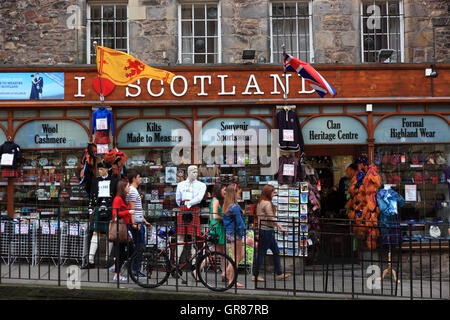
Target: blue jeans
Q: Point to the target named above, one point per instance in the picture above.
(267, 241)
(138, 242)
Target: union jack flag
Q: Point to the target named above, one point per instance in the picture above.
(311, 76)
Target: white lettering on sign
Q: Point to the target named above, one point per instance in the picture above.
(222, 86)
(79, 93)
(252, 84)
(277, 80)
(280, 86)
(134, 86)
(202, 84)
(185, 86)
(149, 89)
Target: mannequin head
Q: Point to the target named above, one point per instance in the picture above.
(102, 169)
(192, 173)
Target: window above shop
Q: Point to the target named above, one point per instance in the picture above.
(291, 25)
(199, 39)
(382, 38)
(107, 24)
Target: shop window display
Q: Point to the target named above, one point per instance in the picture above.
(418, 174)
(49, 185)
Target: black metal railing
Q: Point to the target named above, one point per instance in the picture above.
(331, 257)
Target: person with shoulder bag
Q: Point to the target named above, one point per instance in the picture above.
(266, 213)
(235, 230)
(121, 211)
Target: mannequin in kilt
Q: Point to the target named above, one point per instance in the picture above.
(189, 194)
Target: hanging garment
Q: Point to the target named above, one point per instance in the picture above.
(88, 163)
(102, 122)
(287, 170)
(290, 133)
(10, 148)
(389, 202)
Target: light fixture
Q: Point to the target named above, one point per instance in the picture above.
(248, 54)
(429, 72)
(384, 54)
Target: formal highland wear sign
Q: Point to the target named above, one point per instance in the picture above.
(334, 130)
(31, 86)
(398, 129)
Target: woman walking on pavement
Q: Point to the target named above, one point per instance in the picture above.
(267, 216)
(234, 225)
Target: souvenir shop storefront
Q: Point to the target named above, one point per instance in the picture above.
(400, 122)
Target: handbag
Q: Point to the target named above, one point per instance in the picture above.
(123, 231)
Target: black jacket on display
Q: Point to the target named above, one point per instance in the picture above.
(11, 147)
(288, 120)
(288, 179)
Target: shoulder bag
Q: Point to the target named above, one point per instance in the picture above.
(123, 231)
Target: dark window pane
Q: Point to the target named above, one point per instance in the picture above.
(199, 12)
(186, 12)
(211, 58)
(277, 10)
(95, 30)
(212, 28)
(108, 29)
(186, 28)
(199, 45)
(211, 11)
(199, 58)
(212, 45)
(108, 12)
(199, 28)
(393, 8)
(96, 12)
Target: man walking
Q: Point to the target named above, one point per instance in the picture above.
(138, 221)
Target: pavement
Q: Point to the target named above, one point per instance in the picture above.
(47, 280)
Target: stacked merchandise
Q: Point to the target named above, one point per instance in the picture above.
(362, 204)
(292, 198)
(290, 203)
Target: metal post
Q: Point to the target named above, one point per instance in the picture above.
(59, 249)
(411, 294)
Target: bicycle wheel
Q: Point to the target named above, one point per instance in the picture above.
(212, 266)
(153, 267)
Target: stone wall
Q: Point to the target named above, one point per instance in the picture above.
(336, 25)
(36, 31)
(419, 38)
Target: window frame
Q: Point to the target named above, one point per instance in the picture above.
(88, 26)
(401, 28)
(310, 50)
(218, 36)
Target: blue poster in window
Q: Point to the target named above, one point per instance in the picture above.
(31, 85)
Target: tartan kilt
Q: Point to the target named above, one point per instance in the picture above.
(10, 172)
(192, 228)
(102, 137)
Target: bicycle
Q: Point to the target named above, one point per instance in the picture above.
(158, 264)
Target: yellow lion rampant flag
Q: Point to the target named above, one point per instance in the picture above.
(123, 69)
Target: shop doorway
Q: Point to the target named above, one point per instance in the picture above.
(335, 245)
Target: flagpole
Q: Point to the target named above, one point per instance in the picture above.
(102, 98)
(284, 74)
